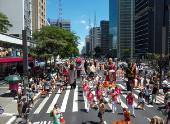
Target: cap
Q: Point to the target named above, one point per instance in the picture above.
(30, 89)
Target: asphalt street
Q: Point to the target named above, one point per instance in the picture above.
(73, 106)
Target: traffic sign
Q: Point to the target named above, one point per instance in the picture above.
(163, 55)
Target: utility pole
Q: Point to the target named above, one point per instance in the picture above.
(162, 45)
(131, 55)
(25, 59)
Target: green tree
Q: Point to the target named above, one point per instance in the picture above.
(4, 23)
(53, 41)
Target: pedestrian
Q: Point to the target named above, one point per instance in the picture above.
(53, 84)
(65, 83)
(105, 86)
(98, 92)
(154, 93)
(166, 89)
(118, 90)
(19, 89)
(101, 110)
(38, 84)
(47, 89)
(90, 97)
(85, 90)
(25, 110)
(19, 106)
(139, 80)
(85, 66)
(129, 102)
(168, 106)
(114, 99)
(145, 81)
(72, 76)
(151, 83)
(147, 93)
(30, 97)
(141, 99)
(56, 114)
(164, 83)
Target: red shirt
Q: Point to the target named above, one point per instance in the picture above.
(130, 99)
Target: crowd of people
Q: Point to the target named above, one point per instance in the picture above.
(96, 87)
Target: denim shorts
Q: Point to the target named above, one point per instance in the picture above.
(26, 117)
(154, 96)
(100, 115)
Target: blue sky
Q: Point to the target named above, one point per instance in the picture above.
(78, 12)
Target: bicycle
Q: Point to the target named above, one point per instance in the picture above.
(1, 110)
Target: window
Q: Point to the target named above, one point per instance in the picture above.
(42, 13)
(42, 1)
(42, 7)
(42, 20)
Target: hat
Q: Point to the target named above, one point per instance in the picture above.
(30, 89)
(113, 88)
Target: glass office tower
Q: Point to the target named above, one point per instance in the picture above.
(113, 24)
(124, 27)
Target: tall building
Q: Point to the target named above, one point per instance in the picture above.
(94, 39)
(113, 23)
(19, 13)
(38, 14)
(124, 27)
(148, 27)
(105, 45)
(87, 39)
(66, 24)
(83, 51)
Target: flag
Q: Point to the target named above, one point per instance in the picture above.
(92, 106)
(164, 113)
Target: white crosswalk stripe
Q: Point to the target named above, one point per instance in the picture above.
(54, 101)
(75, 100)
(42, 122)
(63, 107)
(41, 105)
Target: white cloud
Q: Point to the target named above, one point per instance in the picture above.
(87, 27)
(83, 21)
(82, 16)
(80, 46)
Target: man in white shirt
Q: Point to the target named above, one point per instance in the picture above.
(165, 82)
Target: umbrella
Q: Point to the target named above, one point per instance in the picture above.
(111, 71)
(41, 63)
(14, 67)
(13, 78)
(58, 62)
(167, 93)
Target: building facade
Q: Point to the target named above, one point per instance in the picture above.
(113, 23)
(19, 13)
(38, 14)
(66, 24)
(87, 39)
(124, 27)
(104, 32)
(148, 26)
(83, 51)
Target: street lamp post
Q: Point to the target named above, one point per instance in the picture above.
(131, 55)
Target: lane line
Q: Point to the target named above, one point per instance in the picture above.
(75, 100)
(44, 122)
(54, 101)
(49, 122)
(63, 107)
(36, 122)
(149, 119)
(105, 122)
(42, 104)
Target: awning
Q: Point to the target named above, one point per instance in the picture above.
(3, 60)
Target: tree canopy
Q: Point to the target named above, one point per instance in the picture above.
(4, 23)
(53, 41)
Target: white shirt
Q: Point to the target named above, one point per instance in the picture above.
(90, 84)
(164, 83)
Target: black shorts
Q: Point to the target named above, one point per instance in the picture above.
(48, 90)
(166, 97)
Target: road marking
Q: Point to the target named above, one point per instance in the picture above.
(49, 122)
(108, 102)
(63, 107)
(75, 100)
(11, 120)
(44, 122)
(36, 123)
(105, 122)
(42, 104)
(149, 119)
(41, 122)
(54, 101)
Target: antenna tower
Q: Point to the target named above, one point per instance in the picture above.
(60, 10)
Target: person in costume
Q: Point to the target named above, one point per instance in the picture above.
(78, 66)
(90, 98)
(91, 69)
(118, 90)
(130, 75)
(111, 71)
(105, 85)
(114, 99)
(65, 69)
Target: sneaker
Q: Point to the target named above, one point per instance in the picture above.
(113, 112)
(143, 109)
(134, 116)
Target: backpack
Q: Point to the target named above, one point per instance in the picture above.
(51, 113)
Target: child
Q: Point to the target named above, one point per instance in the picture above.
(118, 90)
(144, 81)
(90, 97)
(101, 110)
(65, 83)
(61, 85)
(114, 99)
